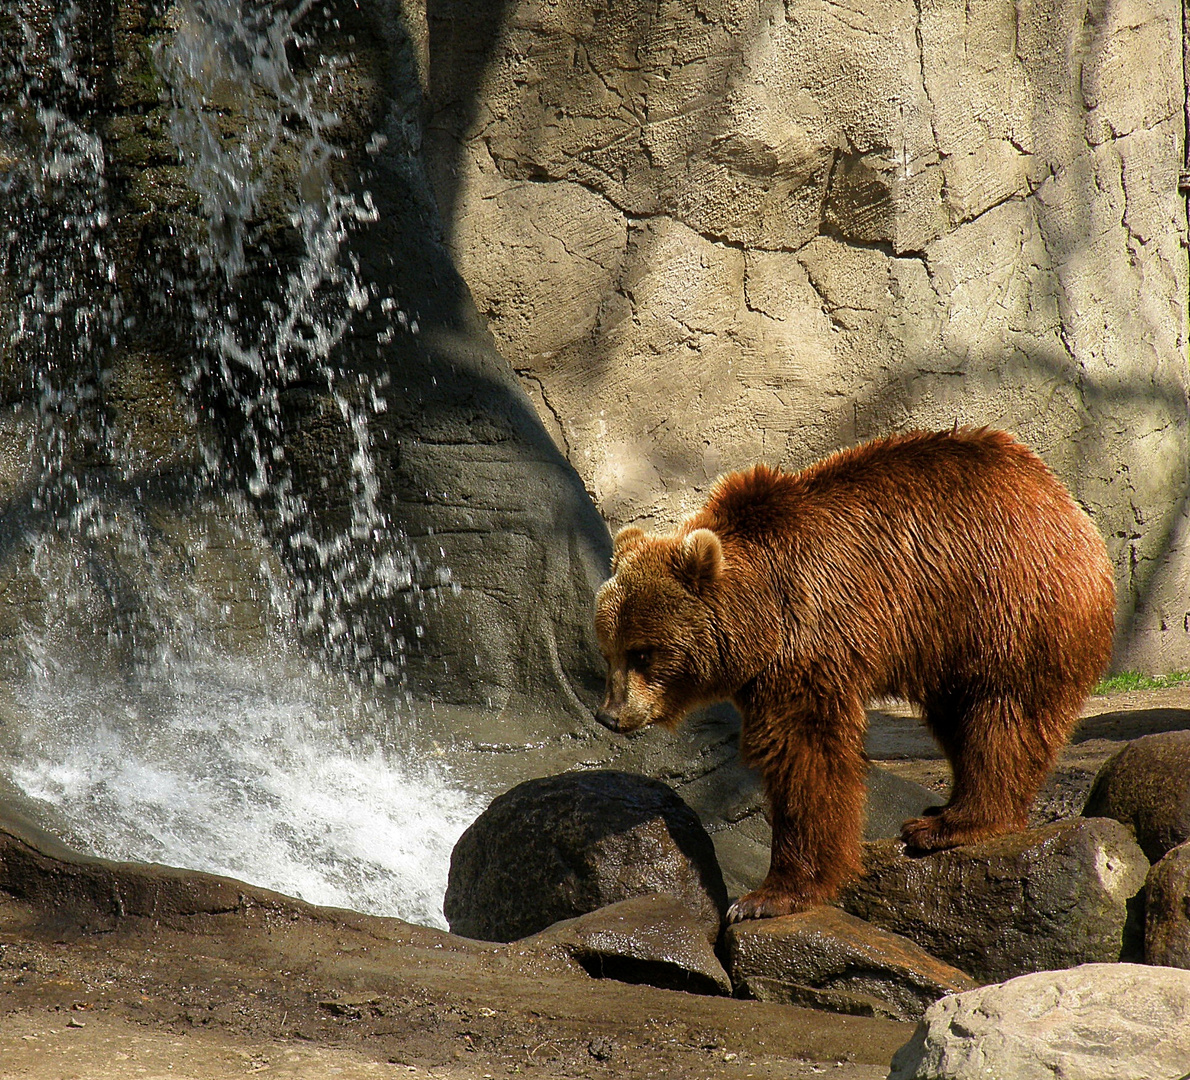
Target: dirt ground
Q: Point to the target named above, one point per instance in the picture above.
(138, 972)
(273, 988)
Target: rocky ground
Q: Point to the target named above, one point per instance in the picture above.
(899, 743)
(133, 972)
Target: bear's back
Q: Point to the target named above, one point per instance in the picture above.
(925, 551)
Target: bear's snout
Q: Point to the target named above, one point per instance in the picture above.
(607, 719)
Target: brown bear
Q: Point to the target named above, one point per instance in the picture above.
(948, 569)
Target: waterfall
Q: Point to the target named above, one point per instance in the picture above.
(198, 686)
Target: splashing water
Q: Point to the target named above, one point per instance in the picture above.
(229, 50)
(132, 729)
(239, 770)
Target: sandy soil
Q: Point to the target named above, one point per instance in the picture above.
(140, 973)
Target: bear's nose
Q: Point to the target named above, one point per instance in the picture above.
(612, 723)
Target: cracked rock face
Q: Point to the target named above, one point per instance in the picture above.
(706, 234)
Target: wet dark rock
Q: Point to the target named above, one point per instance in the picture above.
(893, 800)
(825, 958)
(1052, 897)
(1167, 910)
(729, 799)
(1125, 1021)
(652, 939)
(1147, 786)
(562, 846)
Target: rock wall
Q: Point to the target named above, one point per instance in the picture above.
(151, 474)
(706, 232)
(702, 233)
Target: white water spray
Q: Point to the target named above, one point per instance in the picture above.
(149, 738)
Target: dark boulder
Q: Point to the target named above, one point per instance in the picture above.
(1147, 786)
(1167, 910)
(825, 958)
(1052, 897)
(562, 846)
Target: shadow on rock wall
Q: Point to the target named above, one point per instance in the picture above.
(286, 401)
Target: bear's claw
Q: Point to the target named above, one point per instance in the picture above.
(763, 904)
(925, 834)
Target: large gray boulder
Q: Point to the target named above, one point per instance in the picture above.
(561, 846)
(1167, 910)
(1147, 787)
(828, 959)
(1094, 1022)
(1052, 897)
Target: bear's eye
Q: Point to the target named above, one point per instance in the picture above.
(639, 659)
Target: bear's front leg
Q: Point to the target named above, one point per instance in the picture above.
(814, 778)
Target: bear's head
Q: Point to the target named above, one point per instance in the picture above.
(656, 623)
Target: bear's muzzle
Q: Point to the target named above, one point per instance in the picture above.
(607, 719)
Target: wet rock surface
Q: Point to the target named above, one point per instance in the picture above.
(179, 973)
(1046, 898)
(1124, 1021)
(1167, 910)
(1147, 787)
(651, 939)
(829, 959)
(561, 846)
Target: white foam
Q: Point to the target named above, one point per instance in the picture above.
(271, 782)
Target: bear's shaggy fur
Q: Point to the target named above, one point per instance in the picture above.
(950, 569)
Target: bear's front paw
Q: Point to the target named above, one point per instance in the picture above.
(764, 904)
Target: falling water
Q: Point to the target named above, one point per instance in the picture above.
(135, 729)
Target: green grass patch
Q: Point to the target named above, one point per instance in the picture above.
(1134, 680)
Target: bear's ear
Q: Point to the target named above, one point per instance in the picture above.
(700, 559)
(627, 540)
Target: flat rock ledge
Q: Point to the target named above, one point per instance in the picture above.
(827, 959)
(654, 940)
(1043, 899)
(144, 956)
(1093, 1022)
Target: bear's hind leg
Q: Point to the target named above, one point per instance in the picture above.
(1000, 754)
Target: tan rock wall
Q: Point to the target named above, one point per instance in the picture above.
(707, 232)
